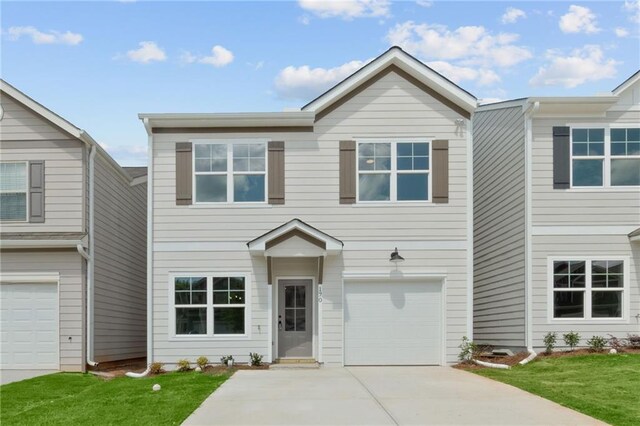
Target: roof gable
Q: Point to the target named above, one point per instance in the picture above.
(395, 60)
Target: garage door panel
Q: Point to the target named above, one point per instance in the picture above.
(29, 324)
(391, 323)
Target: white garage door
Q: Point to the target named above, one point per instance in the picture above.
(393, 323)
(29, 326)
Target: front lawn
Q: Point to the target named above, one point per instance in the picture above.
(603, 386)
(70, 398)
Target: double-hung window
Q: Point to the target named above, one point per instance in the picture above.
(210, 305)
(588, 289)
(230, 172)
(13, 191)
(605, 157)
(394, 171)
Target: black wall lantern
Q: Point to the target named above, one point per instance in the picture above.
(395, 257)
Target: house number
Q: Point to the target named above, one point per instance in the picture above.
(320, 293)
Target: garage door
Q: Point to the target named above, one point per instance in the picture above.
(29, 326)
(393, 323)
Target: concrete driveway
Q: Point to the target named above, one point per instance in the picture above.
(10, 376)
(376, 396)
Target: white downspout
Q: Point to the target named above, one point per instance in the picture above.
(90, 259)
(530, 111)
(149, 253)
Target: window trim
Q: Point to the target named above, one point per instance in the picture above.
(230, 173)
(588, 290)
(209, 336)
(26, 191)
(393, 172)
(606, 158)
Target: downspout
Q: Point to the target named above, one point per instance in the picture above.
(149, 253)
(90, 258)
(528, 126)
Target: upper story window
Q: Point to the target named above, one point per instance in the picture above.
(605, 157)
(394, 171)
(13, 191)
(230, 172)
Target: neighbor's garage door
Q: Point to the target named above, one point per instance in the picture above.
(29, 326)
(393, 323)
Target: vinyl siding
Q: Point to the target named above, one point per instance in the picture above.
(70, 266)
(25, 136)
(120, 265)
(391, 107)
(499, 227)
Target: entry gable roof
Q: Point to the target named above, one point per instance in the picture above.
(400, 61)
(295, 228)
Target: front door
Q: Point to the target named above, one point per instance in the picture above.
(295, 327)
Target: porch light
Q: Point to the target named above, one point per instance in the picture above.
(395, 257)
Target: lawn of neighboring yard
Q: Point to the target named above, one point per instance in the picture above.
(70, 398)
(603, 386)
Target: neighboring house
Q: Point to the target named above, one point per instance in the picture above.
(272, 232)
(72, 244)
(557, 217)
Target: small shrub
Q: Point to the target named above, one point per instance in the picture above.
(468, 349)
(549, 340)
(618, 344)
(597, 343)
(202, 362)
(225, 359)
(571, 339)
(633, 340)
(156, 368)
(256, 358)
(184, 365)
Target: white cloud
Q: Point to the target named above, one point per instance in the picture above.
(38, 37)
(128, 155)
(304, 20)
(579, 19)
(484, 77)
(472, 45)
(346, 9)
(424, 3)
(485, 101)
(581, 66)
(511, 15)
(621, 32)
(633, 7)
(305, 82)
(220, 57)
(148, 52)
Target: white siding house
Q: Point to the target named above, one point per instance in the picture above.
(272, 232)
(72, 245)
(571, 206)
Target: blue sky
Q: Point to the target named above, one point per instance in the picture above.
(99, 64)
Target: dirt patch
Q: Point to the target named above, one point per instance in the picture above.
(506, 360)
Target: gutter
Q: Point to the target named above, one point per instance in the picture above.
(148, 128)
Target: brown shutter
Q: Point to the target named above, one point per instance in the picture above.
(275, 174)
(347, 172)
(184, 173)
(36, 191)
(561, 158)
(440, 171)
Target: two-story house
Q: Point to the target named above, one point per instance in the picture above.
(72, 244)
(557, 217)
(276, 233)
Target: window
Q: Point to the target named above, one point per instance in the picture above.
(587, 289)
(13, 191)
(230, 172)
(605, 157)
(210, 305)
(393, 171)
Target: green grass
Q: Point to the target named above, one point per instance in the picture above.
(606, 387)
(70, 398)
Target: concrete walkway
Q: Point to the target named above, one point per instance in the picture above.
(376, 396)
(10, 376)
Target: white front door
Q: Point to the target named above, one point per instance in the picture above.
(393, 323)
(295, 325)
(29, 326)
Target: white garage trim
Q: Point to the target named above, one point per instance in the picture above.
(39, 278)
(434, 278)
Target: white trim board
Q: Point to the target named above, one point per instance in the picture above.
(583, 230)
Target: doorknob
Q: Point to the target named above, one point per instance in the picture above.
(279, 322)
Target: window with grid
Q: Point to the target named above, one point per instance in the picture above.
(13, 191)
(191, 305)
(587, 150)
(625, 157)
(228, 305)
(295, 312)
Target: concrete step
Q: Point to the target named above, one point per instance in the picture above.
(292, 366)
